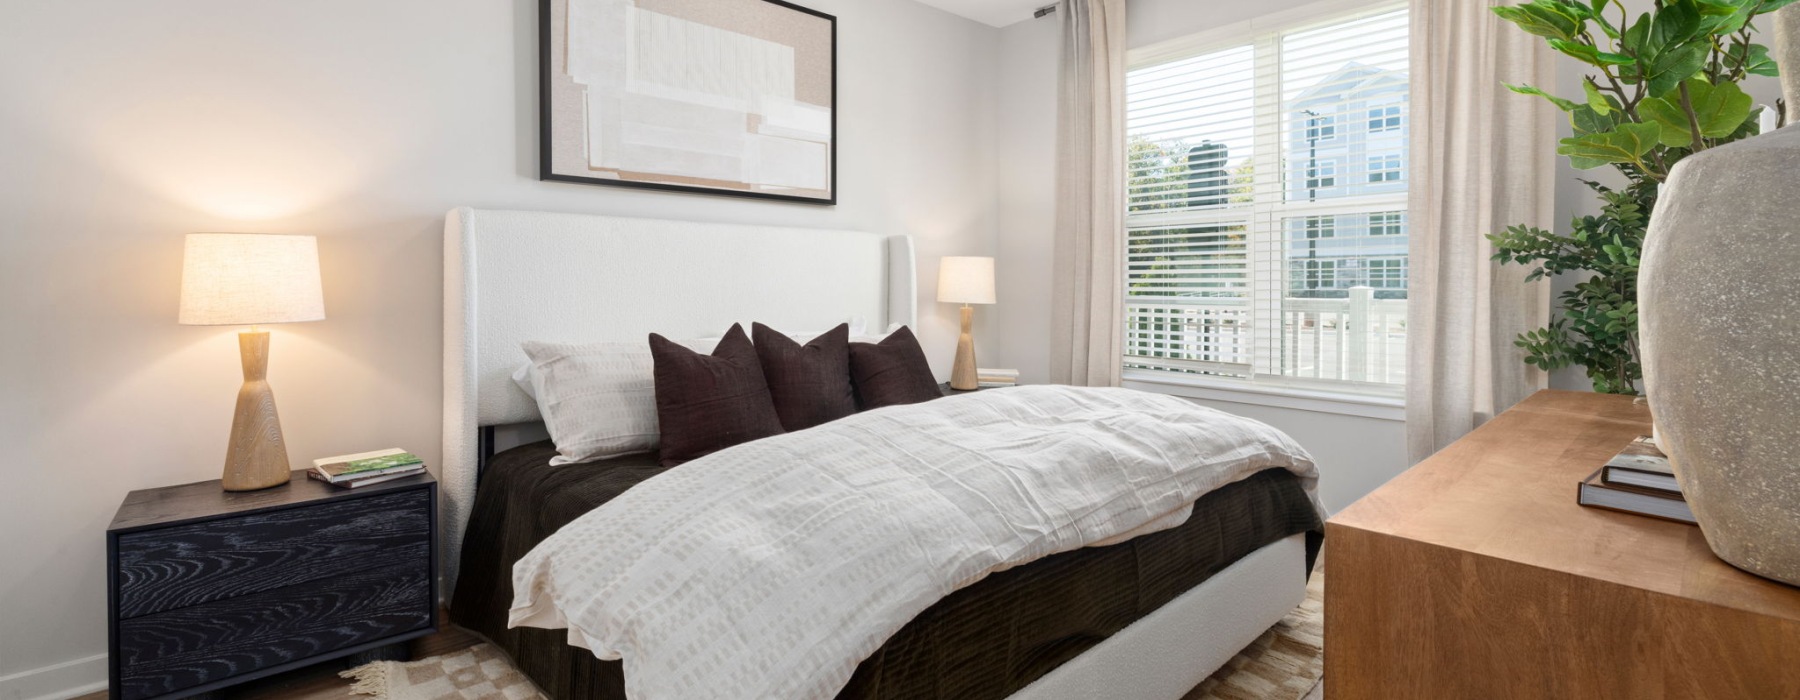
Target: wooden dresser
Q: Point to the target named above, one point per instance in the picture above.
(1475, 575)
(207, 588)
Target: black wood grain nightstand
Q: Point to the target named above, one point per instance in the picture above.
(207, 588)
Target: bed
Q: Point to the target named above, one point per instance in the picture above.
(1147, 618)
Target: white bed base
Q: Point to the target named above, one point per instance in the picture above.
(1168, 652)
(512, 276)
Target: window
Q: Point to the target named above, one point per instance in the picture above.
(1321, 226)
(1390, 223)
(1387, 273)
(1309, 275)
(1320, 127)
(1384, 168)
(1266, 234)
(1320, 174)
(1384, 118)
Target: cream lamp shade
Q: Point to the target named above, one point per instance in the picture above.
(966, 280)
(243, 279)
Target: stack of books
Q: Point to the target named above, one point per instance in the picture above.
(991, 378)
(1638, 480)
(366, 468)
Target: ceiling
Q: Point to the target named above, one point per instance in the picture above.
(998, 13)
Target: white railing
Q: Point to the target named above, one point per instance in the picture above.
(1358, 338)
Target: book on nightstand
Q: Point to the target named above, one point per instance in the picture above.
(368, 481)
(365, 468)
(992, 378)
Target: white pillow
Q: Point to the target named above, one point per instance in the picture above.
(523, 376)
(598, 400)
(856, 334)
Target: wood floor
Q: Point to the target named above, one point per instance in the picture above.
(321, 682)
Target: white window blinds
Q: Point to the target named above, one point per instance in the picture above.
(1266, 230)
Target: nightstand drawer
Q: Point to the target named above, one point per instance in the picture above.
(169, 651)
(177, 567)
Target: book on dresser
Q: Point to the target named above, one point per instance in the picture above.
(1596, 493)
(1638, 480)
(1643, 465)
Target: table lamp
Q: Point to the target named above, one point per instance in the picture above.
(249, 279)
(965, 280)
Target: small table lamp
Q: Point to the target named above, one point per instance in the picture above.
(246, 279)
(965, 280)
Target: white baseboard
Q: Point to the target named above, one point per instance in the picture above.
(57, 682)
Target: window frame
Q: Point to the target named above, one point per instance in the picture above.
(1373, 400)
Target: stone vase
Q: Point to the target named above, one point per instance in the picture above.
(1720, 335)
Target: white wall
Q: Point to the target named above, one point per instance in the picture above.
(128, 124)
(1355, 453)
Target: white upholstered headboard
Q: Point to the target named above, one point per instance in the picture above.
(512, 276)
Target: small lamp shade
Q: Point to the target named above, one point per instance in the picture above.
(966, 280)
(243, 279)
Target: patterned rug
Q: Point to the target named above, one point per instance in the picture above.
(476, 673)
(1285, 663)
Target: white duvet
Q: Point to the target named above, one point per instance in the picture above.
(771, 569)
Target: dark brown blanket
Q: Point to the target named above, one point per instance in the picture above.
(986, 641)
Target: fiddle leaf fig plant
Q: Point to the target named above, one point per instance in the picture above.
(1662, 86)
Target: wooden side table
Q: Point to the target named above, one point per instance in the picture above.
(1476, 575)
(208, 588)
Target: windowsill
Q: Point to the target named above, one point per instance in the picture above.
(1392, 408)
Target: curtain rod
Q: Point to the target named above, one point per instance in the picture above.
(1047, 9)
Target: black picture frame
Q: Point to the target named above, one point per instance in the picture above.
(545, 136)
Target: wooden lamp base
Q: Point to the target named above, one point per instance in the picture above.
(963, 376)
(256, 457)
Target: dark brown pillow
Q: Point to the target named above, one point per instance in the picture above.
(706, 403)
(891, 372)
(809, 383)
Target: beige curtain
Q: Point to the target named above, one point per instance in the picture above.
(1087, 295)
(1483, 158)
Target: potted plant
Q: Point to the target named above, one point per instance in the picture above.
(1664, 86)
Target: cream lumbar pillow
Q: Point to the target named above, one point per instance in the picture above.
(598, 400)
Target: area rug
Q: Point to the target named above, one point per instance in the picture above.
(1285, 663)
(476, 673)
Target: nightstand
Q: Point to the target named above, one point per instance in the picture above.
(945, 387)
(208, 588)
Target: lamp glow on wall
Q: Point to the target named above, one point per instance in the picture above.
(249, 279)
(965, 280)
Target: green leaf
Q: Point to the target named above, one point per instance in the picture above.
(1637, 37)
(1718, 110)
(1757, 62)
(1627, 143)
(1677, 22)
(1595, 100)
(1674, 66)
(1588, 121)
(1542, 18)
(1562, 104)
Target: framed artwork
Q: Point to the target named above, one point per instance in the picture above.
(729, 97)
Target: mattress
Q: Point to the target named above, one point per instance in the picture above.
(985, 641)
